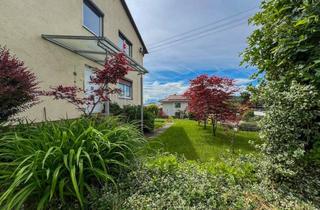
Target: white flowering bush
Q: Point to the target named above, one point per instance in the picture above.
(284, 48)
(289, 129)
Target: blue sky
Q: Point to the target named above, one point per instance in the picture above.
(213, 49)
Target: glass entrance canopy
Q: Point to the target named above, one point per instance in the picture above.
(91, 47)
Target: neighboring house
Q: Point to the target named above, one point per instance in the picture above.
(175, 105)
(61, 41)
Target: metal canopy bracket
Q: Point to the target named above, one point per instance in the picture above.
(91, 47)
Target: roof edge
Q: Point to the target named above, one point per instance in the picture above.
(126, 8)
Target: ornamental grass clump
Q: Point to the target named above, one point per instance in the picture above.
(58, 162)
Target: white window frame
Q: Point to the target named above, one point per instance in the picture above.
(122, 94)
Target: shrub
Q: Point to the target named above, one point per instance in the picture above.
(162, 114)
(285, 51)
(170, 119)
(133, 114)
(289, 129)
(18, 86)
(171, 183)
(248, 115)
(192, 116)
(60, 160)
(115, 109)
(153, 108)
(248, 126)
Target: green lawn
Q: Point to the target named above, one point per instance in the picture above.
(187, 138)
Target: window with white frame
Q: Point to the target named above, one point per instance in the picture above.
(125, 45)
(92, 18)
(126, 89)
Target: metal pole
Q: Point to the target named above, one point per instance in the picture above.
(107, 103)
(141, 98)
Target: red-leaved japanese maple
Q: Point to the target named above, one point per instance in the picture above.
(209, 98)
(105, 79)
(18, 86)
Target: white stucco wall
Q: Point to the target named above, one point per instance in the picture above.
(170, 110)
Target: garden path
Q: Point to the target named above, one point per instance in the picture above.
(158, 131)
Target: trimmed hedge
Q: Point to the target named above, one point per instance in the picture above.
(249, 126)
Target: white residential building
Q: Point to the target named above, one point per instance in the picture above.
(175, 105)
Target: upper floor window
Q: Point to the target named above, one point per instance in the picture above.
(126, 89)
(125, 45)
(177, 105)
(92, 18)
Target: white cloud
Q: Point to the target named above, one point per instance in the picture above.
(242, 81)
(156, 91)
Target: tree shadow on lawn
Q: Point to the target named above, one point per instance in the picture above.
(223, 139)
(196, 143)
(175, 141)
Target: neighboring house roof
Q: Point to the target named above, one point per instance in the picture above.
(125, 6)
(174, 98)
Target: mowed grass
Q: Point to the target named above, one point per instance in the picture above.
(187, 138)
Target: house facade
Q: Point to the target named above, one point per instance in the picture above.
(175, 106)
(61, 41)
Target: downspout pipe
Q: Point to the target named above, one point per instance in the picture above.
(141, 102)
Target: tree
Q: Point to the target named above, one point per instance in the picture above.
(208, 98)
(18, 86)
(153, 108)
(285, 48)
(115, 68)
(285, 45)
(245, 97)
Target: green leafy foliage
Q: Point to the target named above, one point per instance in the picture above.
(247, 116)
(115, 109)
(165, 162)
(285, 44)
(132, 114)
(249, 126)
(159, 122)
(168, 182)
(288, 127)
(244, 97)
(53, 161)
(285, 48)
(153, 108)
